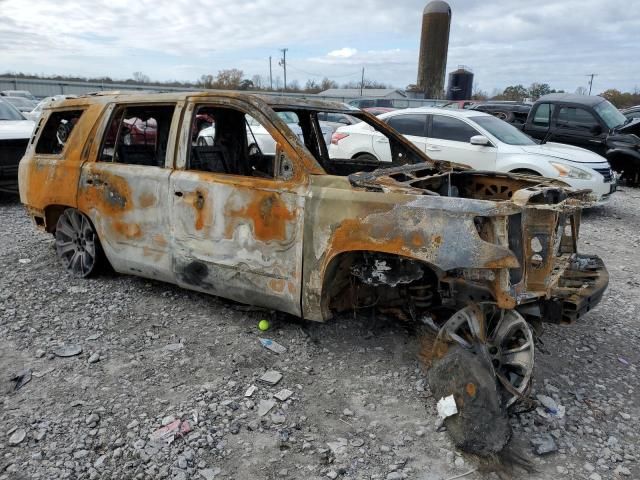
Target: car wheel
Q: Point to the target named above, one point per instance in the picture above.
(506, 116)
(366, 157)
(77, 244)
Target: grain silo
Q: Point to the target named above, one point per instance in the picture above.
(460, 86)
(434, 44)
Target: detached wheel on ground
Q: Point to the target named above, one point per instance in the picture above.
(77, 244)
(501, 338)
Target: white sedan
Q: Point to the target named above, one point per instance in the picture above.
(481, 141)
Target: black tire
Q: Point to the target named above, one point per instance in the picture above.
(366, 157)
(503, 115)
(77, 244)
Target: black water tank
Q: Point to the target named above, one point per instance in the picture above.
(460, 84)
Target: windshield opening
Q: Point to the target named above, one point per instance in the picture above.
(502, 130)
(9, 112)
(610, 114)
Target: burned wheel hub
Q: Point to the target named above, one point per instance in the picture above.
(502, 337)
(76, 243)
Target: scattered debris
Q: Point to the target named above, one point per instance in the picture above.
(17, 437)
(24, 260)
(170, 432)
(43, 372)
(174, 347)
(272, 345)
(447, 407)
(68, 351)
(623, 360)
(283, 394)
(92, 419)
(250, 391)
(264, 325)
(277, 418)
(94, 358)
(271, 377)
(544, 445)
(339, 446)
(77, 289)
(549, 409)
(265, 406)
(21, 378)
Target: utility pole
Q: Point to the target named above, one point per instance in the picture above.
(283, 62)
(362, 82)
(591, 80)
(270, 75)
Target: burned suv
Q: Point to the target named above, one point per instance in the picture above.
(475, 254)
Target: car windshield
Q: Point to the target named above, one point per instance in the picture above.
(20, 102)
(502, 130)
(9, 112)
(610, 114)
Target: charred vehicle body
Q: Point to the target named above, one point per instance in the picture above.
(477, 255)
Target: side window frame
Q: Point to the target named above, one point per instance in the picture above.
(183, 139)
(108, 116)
(573, 128)
(40, 126)
(551, 117)
(425, 121)
(430, 130)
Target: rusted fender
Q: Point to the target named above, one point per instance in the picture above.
(439, 231)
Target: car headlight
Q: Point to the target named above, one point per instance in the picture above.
(567, 171)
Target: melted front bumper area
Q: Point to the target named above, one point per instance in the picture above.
(581, 282)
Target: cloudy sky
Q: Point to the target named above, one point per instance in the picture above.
(504, 41)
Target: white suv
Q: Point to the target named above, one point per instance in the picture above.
(481, 141)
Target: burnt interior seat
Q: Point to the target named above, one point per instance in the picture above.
(209, 159)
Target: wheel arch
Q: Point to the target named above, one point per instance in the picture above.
(337, 275)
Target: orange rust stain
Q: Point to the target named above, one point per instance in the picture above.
(416, 239)
(353, 234)
(437, 240)
(277, 285)
(291, 286)
(112, 197)
(471, 389)
(147, 200)
(159, 240)
(202, 208)
(128, 230)
(268, 214)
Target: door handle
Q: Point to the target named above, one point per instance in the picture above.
(178, 194)
(433, 149)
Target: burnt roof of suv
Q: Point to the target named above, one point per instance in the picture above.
(274, 101)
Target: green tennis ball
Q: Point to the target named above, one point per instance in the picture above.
(263, 325)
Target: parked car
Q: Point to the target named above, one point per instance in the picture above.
(259, 139)
(18, 93)
(589, 122)
(378, 110)
(15, 131)
(512, 112)
(481, 141)
(24, 105)
(459, 104)
(35, 113)
(631, 112)
(303, 233)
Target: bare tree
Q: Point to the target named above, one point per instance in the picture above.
(582, 91)
(229, 79)
(326, 84)
(141, 77)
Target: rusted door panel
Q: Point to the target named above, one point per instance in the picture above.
(129, 206)
(238, 237)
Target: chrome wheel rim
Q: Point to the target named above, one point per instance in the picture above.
(503, 337)
(76, 243)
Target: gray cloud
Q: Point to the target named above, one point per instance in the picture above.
(504, 42)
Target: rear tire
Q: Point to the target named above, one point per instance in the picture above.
(366, 157)
(77, 244)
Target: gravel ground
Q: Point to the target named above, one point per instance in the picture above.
(358, 406)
